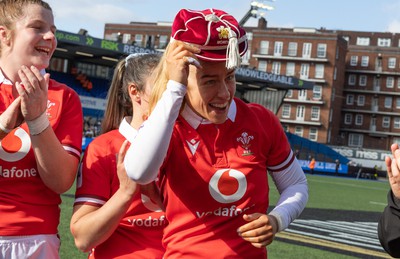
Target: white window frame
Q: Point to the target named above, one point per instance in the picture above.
(264, 46)
(363, 80)
(361, 100)
(262, 65)
(278, 48)
(317, 92)
(290, 69)
(391, 62)
(352, 79)
(355, 140)
(321, 50)
(304, 70)
(389, 82)
(385, 122)
(276, 68)
(307, 47)
(313, 134)
(348, 118)
(363, 41)
(384, 42)
(358, 120)
(388, 102)
(292, 49)
(396, 122)
(298, 130)
(315, 113)
(319, 70)
(349, 99)
(353, 61)
(300, 111)
(286, 109)
(364, 61)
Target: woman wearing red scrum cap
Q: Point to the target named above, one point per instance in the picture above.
(212, 151)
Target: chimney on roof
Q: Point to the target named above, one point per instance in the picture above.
(262, 23)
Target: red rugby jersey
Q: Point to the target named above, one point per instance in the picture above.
(214, 174)
(139, 233)
(27, 206)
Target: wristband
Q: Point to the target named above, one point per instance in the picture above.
(4, 129)
(38, 125)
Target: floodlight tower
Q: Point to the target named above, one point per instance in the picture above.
(257, 9)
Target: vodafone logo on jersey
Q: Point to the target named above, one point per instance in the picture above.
(15, 145)
(227, 185)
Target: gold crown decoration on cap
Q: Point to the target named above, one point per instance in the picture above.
(216, 33)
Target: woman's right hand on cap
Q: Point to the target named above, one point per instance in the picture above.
(180, 56)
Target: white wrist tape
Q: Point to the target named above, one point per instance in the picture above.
(38, 125)
(4, 129)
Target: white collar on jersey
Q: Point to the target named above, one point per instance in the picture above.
(4, 80)
(195, 120)
(126, 129)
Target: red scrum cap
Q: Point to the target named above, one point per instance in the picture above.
(216, 33)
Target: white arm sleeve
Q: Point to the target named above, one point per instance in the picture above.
(293, 188)
(149, 148)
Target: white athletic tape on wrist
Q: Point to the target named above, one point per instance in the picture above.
(38, 125)
(4, 129)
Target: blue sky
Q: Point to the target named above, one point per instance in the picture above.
(358, 15)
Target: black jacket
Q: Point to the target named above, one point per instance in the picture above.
(389, 227)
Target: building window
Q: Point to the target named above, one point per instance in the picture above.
(384, 42)
(126, 38)
(264, 45)
(276, 68)
(313, 134)
(307, 50)
(388, 102)
(290, 69)
(285, 128)
(349, 99)
(392, 63)
(298, 130)
(292, 50)
(321, 50)
(319, 70)
(317, 92)
(397, 103)
(300, 113)
(139, 40)
(348, 118)
(362, 41)
(289, 93)
(398, 82)
(396, 122)
(358, 120)
(262, 65)
(361, 100)
(278, 48)
(385, 122)
(353, 61)
(364, 61)
(304, 71)
(302, 94)
(389, 82)
(286, 111)
(346, 38)
(355, 140)
(163, 41)
(315, 112)
(352, 79)
(363, 80)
